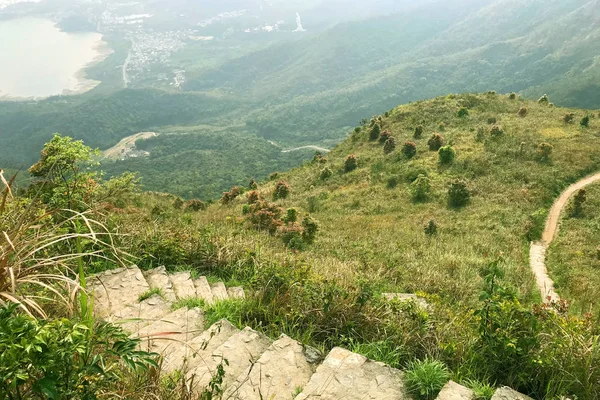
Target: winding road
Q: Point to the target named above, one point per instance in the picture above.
(537, 251)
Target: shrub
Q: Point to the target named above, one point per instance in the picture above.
(273, 176)
(325, 174)
(265, 216)
(585, 121)
(351, 163)
(311, 228)
(435, 142)
(544, 99)
(522, 112)
(177, 203)
(409, 149)
(319, 158)
(420, 189)
(480, 136)
(492, 120)
(390, 145)
(512, 96)
(491, 93)
(442, 126)
(545, 152)
(291, 216)
(578, 200)
(458, 194)
(496, 131)
(568, 118)
(357, 129)
(463, 112)
(431, 229)
(419, 130)
(253, 197)
(252, 185)
(233, 194)
(282, 190)
(385, 135)
(195, 205)
(375, 132)
(426, 378)
(534, 227)
(292, 237)
(392, 182)
(447, 154)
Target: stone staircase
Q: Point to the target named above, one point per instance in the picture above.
(255, 367)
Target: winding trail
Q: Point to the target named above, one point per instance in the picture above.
(537, 251)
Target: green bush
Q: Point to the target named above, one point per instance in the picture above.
(385, 135)
(522, 112)
(282, 190)
(273, 176)
(496, 131)
(585, 121)
(512, 96)
(292, 237)
(392, 182)
(178, 203)
(252, 185)
(458, 194)
(534, 226)
(310, 229)
(351, 163)
(463, 112)
(419, 130)
(431, 229)
(544, 152)
(409, 149)
(264, 216)
(568, 118)
(253, 197)
(578, 201)
(544, 99)
(291, 216)
(435, 142)
(480, 135)
(492, 120)
(446, 154)
(390, 145)
(426, 378)
(195, 205)
(420, 189)
(375, 132)
(62, 359)
(325, 174)
(233, 194)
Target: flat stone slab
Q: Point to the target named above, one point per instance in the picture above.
(183, 285)
(506, 393)
(159, 279)
(350, 376)
(199, 349)
(203, 290)
(219, 291)
(138, 316)
(454, 391)
(276, 375)
(172, 331)
(236, 292)
(117, 289)
(240, 350)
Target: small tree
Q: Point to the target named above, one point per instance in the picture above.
(325, 174)
(585, 121)
(463, 112)
(545, 152)
(431, 229)
(351, 163)
(458, 194)
(578, 201)
(419, 130)
(496, 131)
(512, 96)
(544, 99)
(522, 112)
(311, 228)
(435, 142)
(253, 197)
(420, 189)
(447, 154)
(282, 190)
(291, 216)
(390, 145)
(375, 132)
(409, 149)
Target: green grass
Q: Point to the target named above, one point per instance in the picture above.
(425, 379)
(151, 292)
(190, 302)
(573, 259)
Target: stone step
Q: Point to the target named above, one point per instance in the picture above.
(277, 374)
(203, 290)
(506, 393)
(454, 391)
(236, 292)
(200, 348)
(241, 351)
(116, 289)
(158, 278)
(219, 291)
(173, 331)
(350, 376)
(138, 316)
(183, 285)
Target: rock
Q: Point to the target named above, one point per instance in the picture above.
(159, 279)
(405, 297)
(203, 290)
(454, 391)
(236, 293)
(183, 286)
(137, 316)
(240, 350)
(219, 291)
(276, 375)
(117, 289)
(506, 393)
(350, 376)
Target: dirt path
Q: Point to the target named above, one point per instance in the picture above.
(124, 144)
(537, 252)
